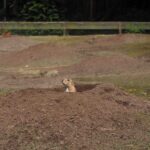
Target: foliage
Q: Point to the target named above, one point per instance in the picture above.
(40, 11)
(78, 10)
(134, 28)
(37, 32)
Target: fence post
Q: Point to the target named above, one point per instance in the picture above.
(1, 29)
(120, 27)
(64, 29)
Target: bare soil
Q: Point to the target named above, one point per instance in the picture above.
(40, 116)
(71, 57)
(100, 118)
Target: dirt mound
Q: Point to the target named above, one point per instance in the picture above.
(37, 53)
(97, 117)
(15, 43)
(94, 53)
(103, 64)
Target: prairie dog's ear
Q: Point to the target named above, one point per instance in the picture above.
(70, 80)
(65, 81)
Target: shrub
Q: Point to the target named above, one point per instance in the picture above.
(40, 11)
(134, 28)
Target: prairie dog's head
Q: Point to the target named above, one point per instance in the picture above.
(67, 82)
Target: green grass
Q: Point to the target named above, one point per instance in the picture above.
(136, 49)
(65, 40)
(138, 84)
(52, 63)
(4, 91)
(59, 39)
(133, 145)
(131, 49)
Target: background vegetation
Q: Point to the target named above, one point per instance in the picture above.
(75, 10)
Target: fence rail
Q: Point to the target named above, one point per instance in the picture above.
(64, 26)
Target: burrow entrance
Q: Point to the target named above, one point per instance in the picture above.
(79, 87)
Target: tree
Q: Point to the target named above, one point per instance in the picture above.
(77, 10)
(40, 11)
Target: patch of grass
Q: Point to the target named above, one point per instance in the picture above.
(52, 63)
(36, 65)
(65, 40)
(138, 84)
(59, 39)
(133, 145)
(136, 49)
(97, 53)
(134, 28)
(145, 91)
(4, 92)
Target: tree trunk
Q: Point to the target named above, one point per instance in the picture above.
(91, 10)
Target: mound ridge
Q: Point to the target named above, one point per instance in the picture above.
(98, 118)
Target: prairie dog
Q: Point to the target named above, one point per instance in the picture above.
(69, 85)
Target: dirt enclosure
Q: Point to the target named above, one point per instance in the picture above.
(36, 113)
(101, 118)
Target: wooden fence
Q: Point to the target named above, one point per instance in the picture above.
(64, 26)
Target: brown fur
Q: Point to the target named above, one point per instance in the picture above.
(69, 85)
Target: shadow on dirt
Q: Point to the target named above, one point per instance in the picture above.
(79, 87)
